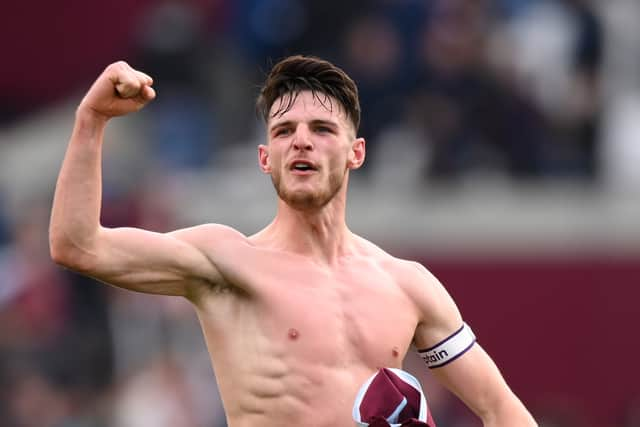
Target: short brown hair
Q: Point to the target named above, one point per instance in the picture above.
(297, 73)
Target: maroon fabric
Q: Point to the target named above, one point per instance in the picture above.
(378, 422)
(383, 396)
(412, 422)
(412, 410)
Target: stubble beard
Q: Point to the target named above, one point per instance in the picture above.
(308, 200)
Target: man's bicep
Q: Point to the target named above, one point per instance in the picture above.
(150, 262)
(439, 317)
(446, 343)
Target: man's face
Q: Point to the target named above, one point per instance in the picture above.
(310, 149)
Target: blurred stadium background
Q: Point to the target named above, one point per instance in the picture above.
(504, 144)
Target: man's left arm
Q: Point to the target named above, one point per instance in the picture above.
(476, 380)
(458, 361)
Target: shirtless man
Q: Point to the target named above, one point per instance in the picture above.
(297, 316)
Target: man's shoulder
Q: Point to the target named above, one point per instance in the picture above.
(372, 250)
(209, 232)
(418, 283)
(391, 262)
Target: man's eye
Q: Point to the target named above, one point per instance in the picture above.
(323, 129)
(283, 132)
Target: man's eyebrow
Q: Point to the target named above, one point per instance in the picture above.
(314, 122)
(322, 122)
(280, 124)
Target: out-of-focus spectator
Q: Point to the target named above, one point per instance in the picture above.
(183, 123)
(555, 54)
(271, 29)
(155, 396)
(472, 121)
(35, 304)
(378, 73)
(620, 151)
(45, 389)
(587, 61)
(53, 331)
(267, 28)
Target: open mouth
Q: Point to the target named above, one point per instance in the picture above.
(303, 166)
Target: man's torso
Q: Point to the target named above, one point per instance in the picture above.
(295, 347)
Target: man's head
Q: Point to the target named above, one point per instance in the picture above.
(312, 113)
(300, 73)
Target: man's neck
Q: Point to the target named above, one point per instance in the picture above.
(320, 234)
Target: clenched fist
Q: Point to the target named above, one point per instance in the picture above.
(119, 90)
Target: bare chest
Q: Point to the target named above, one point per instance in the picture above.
(295, 335)
(354, 314)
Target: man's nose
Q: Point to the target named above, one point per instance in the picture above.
(302, 140)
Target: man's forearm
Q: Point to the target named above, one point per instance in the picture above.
(75, 216)
(511, 413)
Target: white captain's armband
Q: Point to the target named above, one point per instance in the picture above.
(450, 348)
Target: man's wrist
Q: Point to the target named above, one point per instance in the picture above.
(89, 123)
(87, 117)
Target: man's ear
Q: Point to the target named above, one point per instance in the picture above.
(263, 158)
(356, 154)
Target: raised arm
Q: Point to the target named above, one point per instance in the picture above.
(472, 376)
(126, 257)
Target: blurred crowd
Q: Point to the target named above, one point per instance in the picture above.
(455, 89)
(510, 87)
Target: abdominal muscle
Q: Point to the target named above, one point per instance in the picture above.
(310, 396)
(275, 381)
